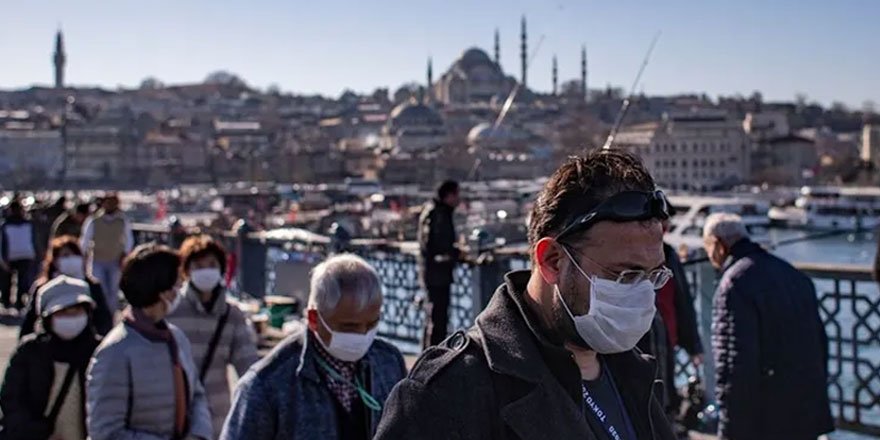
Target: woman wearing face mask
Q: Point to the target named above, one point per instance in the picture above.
(65, 257)
(142, 382)
(217, 329)
(43, 392)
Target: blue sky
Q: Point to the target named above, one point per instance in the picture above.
(825, 49)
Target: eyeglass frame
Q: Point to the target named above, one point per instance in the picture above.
(644, 274)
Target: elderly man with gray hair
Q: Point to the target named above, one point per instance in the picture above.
(770, 346)
(330, 380)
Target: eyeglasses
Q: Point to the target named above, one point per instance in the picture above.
(622, 207)
(658, 277)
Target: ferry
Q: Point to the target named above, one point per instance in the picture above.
(832, 208)
(686, 228)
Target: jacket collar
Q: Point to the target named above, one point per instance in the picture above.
(191, 296)
(740, 250)
(513, 339)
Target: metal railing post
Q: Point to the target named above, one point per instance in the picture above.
(706, 289)
(251, 261)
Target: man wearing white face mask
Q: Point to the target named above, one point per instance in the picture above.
(220, 334)
(43, 392)
(330, 381)
(552, 356)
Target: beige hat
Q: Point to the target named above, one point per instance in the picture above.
(63, 292)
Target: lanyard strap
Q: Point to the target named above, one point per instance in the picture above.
(369, 401)
(602, 416)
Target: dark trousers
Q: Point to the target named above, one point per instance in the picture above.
(23, 270)
(437, 320)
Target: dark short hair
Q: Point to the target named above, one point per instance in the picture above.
(199, 246)
(581, 184)
(149, 270)
(16, 206)
(446, 188)
(83, 208)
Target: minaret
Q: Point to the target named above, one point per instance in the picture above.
(584, 90)
(497, 48)
(555, 75)
(430, 73)
(523, 48)
(59, 59)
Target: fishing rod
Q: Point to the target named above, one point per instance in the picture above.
(626, 102)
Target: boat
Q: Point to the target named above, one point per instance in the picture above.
(832, 208)
(686, 226)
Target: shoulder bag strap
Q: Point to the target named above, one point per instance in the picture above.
(212, 346)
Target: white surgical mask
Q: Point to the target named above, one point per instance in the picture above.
(172, 305)
(71, 266)
(205, 279)
(348, 347)
(619, 316)
(69, 327)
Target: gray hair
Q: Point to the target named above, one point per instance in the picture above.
(726, 227)
(344, 274)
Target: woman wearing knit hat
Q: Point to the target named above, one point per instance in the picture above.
(43, 393)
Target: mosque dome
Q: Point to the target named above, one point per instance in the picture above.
(474, 57)
(414, 114)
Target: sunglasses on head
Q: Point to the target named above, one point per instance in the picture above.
(624, 206)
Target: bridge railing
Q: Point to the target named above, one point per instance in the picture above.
(849, 300)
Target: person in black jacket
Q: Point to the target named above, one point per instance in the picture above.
(552, 356)
(771, 349)
(438, 258)
(65, 258)
(43, 393)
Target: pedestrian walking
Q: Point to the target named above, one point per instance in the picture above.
(65, 257)
(43, 392)
(142, 382)
(552, 355)
(106, 239)
(331, 380)
(220, 335)
(769, 342)
(19, 252)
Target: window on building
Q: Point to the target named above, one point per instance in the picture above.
(673, 148)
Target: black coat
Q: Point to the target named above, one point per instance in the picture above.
(436, 235)
(771, 350)
(29, 377)
(102, 317)
(503, 380)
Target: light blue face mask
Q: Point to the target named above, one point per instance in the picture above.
(369, 401)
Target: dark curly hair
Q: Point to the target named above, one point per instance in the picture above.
(581, 184)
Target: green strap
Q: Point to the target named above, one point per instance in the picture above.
(369, 401)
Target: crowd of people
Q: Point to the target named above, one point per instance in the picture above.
(578, 346)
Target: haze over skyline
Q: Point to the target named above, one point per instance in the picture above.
(822, 49)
